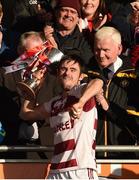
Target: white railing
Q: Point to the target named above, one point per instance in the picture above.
(99, 148)
(114, 148)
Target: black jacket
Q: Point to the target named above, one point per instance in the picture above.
(122, 117)
(75, 42)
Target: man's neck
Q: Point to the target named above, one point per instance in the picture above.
(89, 17)
(65, 32)
(65, 93)
(116, 65)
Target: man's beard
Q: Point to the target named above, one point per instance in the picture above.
(67, 88)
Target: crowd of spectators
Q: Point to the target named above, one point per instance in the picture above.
(30, 23)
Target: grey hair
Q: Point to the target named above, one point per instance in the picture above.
(22, 41)
(107, 32)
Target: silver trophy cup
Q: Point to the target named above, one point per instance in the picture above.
(30, 87)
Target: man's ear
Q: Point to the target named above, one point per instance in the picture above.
(120, 49)
(82, 76)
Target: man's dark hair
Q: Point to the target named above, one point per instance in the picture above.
(72, 57)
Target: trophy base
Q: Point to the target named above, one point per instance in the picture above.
(25, 91)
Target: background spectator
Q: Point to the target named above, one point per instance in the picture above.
(65, 33)
(118, 124)
(94, 15)
(126, 28)
(134, 20)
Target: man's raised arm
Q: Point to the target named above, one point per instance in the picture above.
(29, 111)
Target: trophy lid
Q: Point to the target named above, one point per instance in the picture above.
(54, 55)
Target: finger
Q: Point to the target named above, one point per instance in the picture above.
(75, 114)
